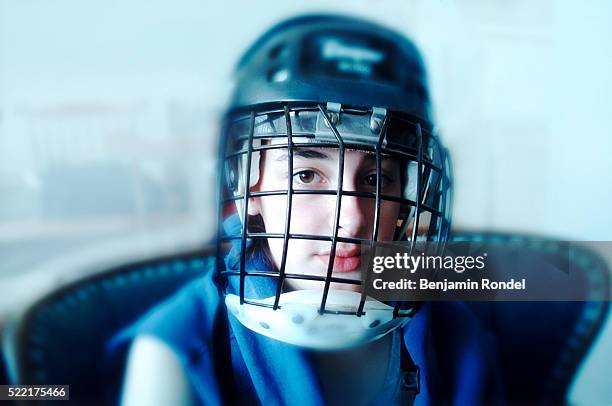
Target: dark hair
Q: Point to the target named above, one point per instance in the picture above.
(259, 250)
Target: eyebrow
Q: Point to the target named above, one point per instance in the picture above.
(304, 153)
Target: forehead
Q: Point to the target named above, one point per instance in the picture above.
(326, 156)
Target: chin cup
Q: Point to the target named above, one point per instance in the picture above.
(298, 321)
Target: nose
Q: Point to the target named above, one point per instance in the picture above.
(353, 217)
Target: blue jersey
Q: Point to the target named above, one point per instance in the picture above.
(225, 362)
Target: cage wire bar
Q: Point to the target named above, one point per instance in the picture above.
(413, 157)
(417, 207)
(445, 180)
(419, 197)
(437, 162)
(381, 138)
(219, 279)
(245, 216)
(437, 197)
(448, 196)
(334, 242)
(281, 276)
(369, 195)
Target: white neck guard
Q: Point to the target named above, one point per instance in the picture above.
(297, 320)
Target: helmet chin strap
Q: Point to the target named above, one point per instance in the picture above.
(297, 321)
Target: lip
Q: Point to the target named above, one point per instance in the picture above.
(345, 260)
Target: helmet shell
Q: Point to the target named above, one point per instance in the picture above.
(325, 58)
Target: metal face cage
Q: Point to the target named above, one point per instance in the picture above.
(425, 200)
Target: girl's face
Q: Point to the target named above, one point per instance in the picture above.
(317, 169)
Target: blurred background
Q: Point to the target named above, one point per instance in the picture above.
(109, 114)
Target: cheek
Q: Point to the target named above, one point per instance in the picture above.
(389, 213)
(300, 254)
(306, 213)
(273, 212)
(310, 214)
(276, 249)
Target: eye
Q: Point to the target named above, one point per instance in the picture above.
(385, 180)
(370, 180)
(306, 177)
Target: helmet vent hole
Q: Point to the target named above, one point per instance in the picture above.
(265, 325)
(277, 51)
(374, 323)
(297, 319)
(277, 75)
